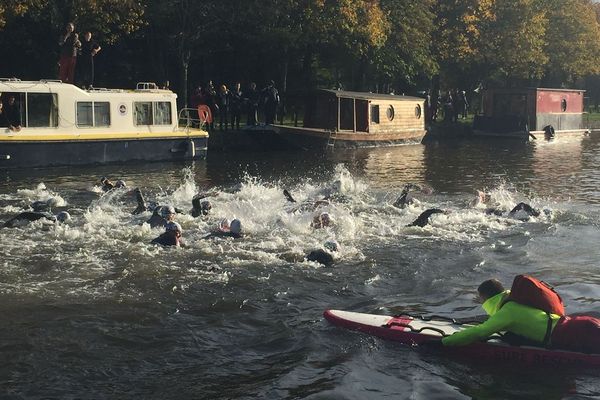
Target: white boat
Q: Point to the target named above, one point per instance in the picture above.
(62, 124)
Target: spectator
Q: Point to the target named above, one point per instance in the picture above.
(210, 96)
(223, 103)
(3, 118)
(13, 114)
(69, 45)
(236, 97)
(89, 49)
(253, 100)
(448, 107)
(463, 104)
(271, 101)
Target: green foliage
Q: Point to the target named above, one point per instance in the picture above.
(302, 43)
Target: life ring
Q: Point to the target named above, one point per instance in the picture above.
(204, 114)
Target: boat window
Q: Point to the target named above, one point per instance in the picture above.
(375, 113)
(162, 113)
(142, 113)
(390, 112)
(101, 113)
(418, 111)
(93, 113)
(85, 114)
(563, 105)
(42, 110)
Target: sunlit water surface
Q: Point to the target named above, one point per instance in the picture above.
(91, 310)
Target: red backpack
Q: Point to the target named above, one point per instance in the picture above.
(531, 292)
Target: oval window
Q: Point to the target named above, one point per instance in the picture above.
(390, 113)
(563, 105)
(418, 111)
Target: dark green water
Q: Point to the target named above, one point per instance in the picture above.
(91, 310)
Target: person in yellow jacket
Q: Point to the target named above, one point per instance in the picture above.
(531, 326)
(527, 322)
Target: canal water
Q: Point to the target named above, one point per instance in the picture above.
(91, 310)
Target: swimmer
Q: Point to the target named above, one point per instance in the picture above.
(322, 220)
(523, 211)
(171, 236)
(161, 216)
(108, 185)
(305, 205)
(423, 219)
(227, 229)
(31, 216)
(200, 207)
(406, 198)
(141, 203)
(44, 206)
(288, 196)
(325, 256)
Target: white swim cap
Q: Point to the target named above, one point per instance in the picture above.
(166, 211)
(332, 245)
(224, 225)
(52, 202)
(173, 226)
(63, 216)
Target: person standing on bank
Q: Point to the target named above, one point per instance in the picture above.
(69, 46)
(236, 97)
(271, 101)
(223, 102)
(253, 100)
(89, 49)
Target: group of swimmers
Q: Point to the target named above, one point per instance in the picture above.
(165, 215)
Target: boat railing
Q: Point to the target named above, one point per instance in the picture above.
(189, 119)
(146, 86)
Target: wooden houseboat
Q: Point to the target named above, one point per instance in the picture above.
(336, 118)
(529, 112)
(61, 124)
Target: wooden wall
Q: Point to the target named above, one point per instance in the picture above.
(404, 116)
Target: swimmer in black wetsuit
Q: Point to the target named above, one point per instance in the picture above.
(324, 256)
(423, 219)
(171, 236)
(406, 198)
(44, 206)
(141, 203)
(200, 207)
(30, 216)
(108, 185)
(161, 216)
(526, 208)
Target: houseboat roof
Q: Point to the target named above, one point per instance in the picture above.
(522, 89)
(9, 84)
(369, 96)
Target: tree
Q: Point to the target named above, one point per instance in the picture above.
(572, 41)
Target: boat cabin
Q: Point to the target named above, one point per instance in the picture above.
(519, 112)
(94, 126)
(374, 113)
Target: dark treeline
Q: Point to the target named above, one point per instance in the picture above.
(372, 45)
